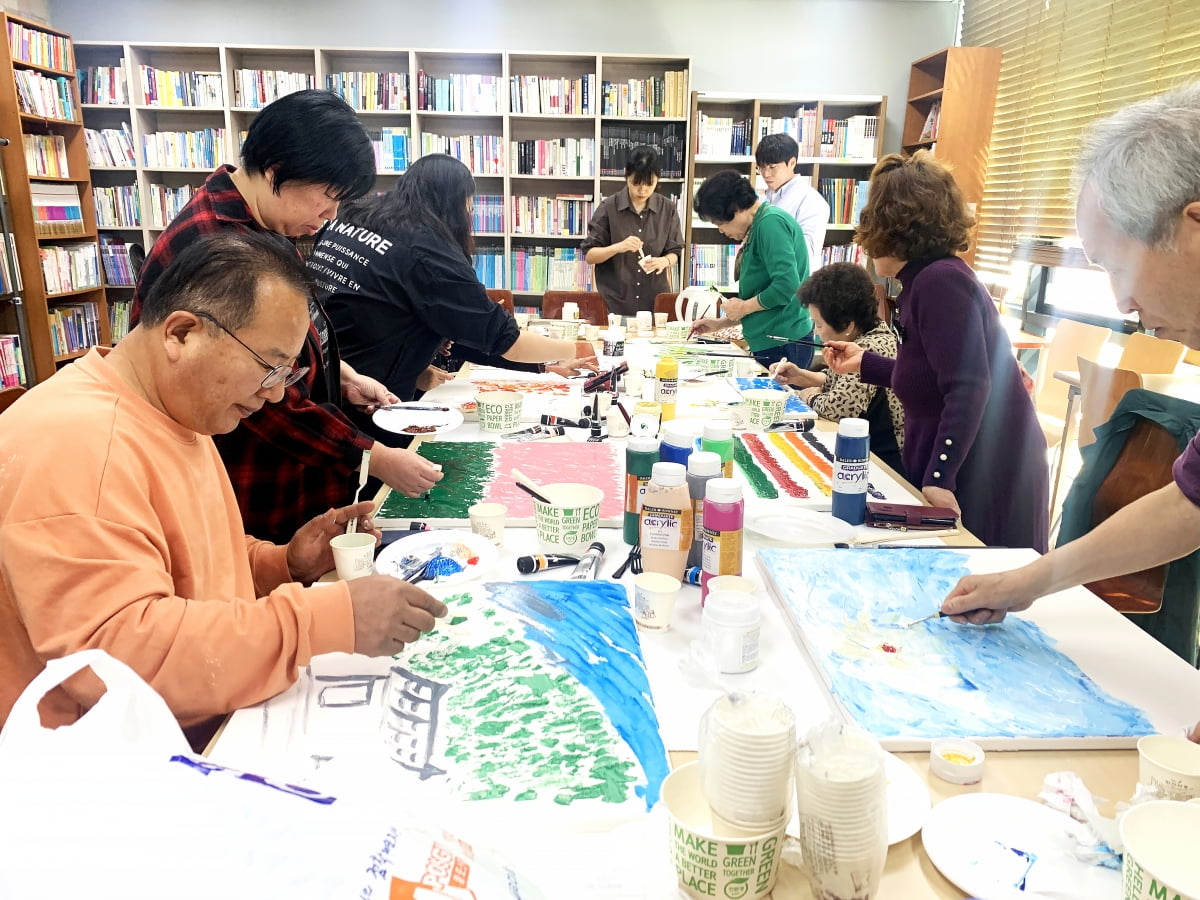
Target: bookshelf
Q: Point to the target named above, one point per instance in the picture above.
(951, 101)
(52, 215)
(542, 132)
(840, 138)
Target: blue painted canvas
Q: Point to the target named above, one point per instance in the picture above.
(938, 678)
(794, 404)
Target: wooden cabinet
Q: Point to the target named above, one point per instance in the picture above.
(951, 101)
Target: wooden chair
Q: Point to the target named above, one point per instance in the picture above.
(1100, 390)
(665, 303)
(9, 396)
(503, 297)
(1071, 340)
(592, 308)
(1150, 355)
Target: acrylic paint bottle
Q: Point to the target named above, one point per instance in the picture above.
(718, 437)
(702, 466)
(666, 385)
(665, 526)
(724, 514)
(641, 453)
(678, 442)
(851, 464)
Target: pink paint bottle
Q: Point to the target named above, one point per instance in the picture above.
(724, 513)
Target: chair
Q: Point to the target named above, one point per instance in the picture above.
(665, 303)
(9, 396)
(503, 297)
(592, 308)
(696, 302)
(1071, 340)
(1132, 456)
(1100, 390)
(1150, 355)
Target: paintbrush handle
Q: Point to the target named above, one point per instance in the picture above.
(528, 485)
(532, 493)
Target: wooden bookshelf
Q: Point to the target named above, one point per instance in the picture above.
(955, 90)
(714, 148)
(41, 357)
(362, 71)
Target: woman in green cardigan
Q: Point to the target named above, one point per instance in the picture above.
(773, 261)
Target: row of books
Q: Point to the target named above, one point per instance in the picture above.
(74, 327)
(617, 140)
(370, 91)
(565, 214)
(110, 146)
(118, 318)
(40, 95)
(550, 269)
(168, 87)
(256, 88)
(802, 128)
(489, 266)
(183, 149)
(118, 206)
(458, 93)
(559, 156)
(723, 136)
(56, 209)
(166, 202)
(546, 96)
(846, 198)
(118, 269)
(46, 154)
(488, 214)
(391, 147)
(654, 96)
(933, 121)
(39, 47)
(852, 138)
(10, 281)
(12, 361)
(104, 85)
(483, 154)
(69, 267)
(843, 253)
(712, 264)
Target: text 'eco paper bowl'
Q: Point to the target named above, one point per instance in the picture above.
(499, 410)
(765, 405)
(568, 523)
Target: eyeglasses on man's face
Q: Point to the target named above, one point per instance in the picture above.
(276, 375)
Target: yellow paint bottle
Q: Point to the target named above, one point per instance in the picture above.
(666, 385)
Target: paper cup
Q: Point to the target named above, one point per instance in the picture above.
(654, 597)
(522, 320)
(1160, 851)
(568, 524)
(1170, 765)
(353, 555)
(487, 520)
(660, 319)
(677, 331)
(711, 858)
(570, 312)
(499, 410)
(764, 406)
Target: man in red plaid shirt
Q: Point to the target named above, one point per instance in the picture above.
(290, 461)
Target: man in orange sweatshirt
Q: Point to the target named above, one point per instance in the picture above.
(118, 525)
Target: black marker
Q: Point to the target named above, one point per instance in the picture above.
(527, 565)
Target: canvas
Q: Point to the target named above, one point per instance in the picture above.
(794, 404)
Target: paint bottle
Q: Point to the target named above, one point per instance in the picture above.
(718, 437)
(678, 442)
(641, 453)
(665, 524)
(645, 419)
(730, 627)
(724, 514)
(702, 466)
(851, 466)
(666, 385)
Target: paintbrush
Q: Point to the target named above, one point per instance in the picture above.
(936, 615)
(804, 341)
(415, 407)
(529, 486)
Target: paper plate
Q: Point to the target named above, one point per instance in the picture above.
(402, 421)
(1000, 847)
(792, 526)
(461, 545)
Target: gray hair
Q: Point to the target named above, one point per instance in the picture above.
(1143, 162)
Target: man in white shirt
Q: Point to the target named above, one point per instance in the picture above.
(776, 157)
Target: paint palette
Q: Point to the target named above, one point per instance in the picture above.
(999, 846)
(475, 555)
(417, 421)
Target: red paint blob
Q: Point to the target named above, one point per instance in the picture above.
(888, 648)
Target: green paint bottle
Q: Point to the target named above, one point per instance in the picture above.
(641, 453)
(718, 438)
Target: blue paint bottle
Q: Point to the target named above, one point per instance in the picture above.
(851, 465)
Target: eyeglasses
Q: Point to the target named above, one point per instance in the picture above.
(276, 375)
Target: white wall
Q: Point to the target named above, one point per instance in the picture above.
(748, 46)
(38, 10)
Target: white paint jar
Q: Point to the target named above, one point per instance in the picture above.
(731, 623)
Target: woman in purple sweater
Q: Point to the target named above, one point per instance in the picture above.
(971, 439)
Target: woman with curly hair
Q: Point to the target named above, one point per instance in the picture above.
(971, 438)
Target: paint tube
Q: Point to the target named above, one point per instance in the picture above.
(563, 420)
(536, 433)
(589, 565)
(538, 562)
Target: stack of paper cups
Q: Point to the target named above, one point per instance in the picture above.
(747, 743)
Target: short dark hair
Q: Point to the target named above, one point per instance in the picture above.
(724, 195)
(643, 165)
(311, 137)
(431, 195)
(219, 274)
(915, 210)
(776, 148)
(843, 293)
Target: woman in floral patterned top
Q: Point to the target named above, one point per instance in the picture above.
(841, 301)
